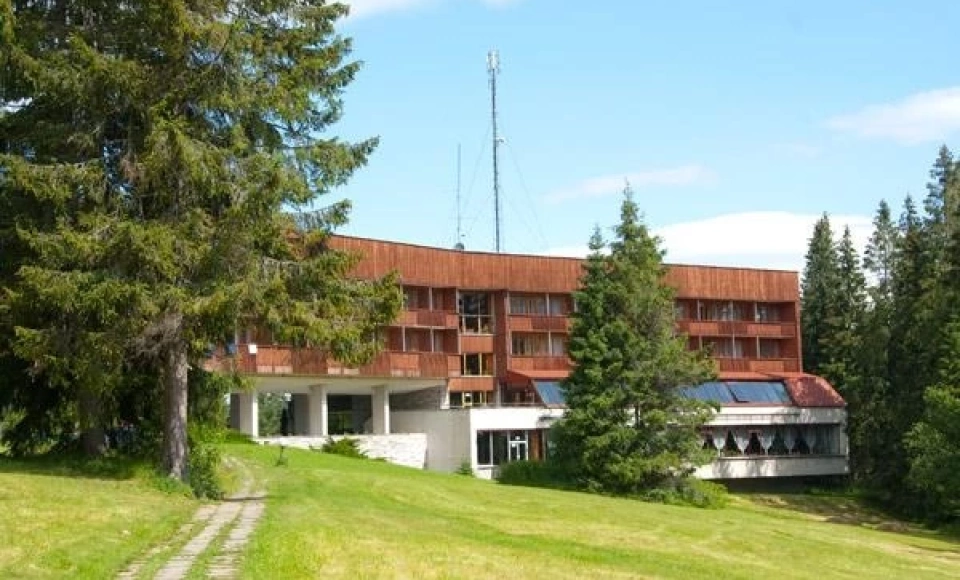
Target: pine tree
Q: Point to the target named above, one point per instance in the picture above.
(869, 423)
(819, 295)
(168, 141)
(933, 443)
(626, 429)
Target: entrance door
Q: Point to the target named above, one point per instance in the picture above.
(518, 446)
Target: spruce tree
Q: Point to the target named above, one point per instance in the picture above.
(933, 443)
(626, 429)
(168, 142)
(870, 422)
(819, 296)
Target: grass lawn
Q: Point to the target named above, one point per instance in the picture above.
(62, 521)
(334, 517)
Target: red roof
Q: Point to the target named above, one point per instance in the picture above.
(805, 390)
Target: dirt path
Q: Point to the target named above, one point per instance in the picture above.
(236, 516)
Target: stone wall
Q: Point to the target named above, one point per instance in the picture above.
(424, 399)
(408, 449)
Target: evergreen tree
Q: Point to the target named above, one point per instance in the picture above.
(933, 443)
(819, 296)
(166, 142)
(879, 257)
(869, 423)
(626, 429)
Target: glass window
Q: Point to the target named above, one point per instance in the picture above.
(767, 313)
(558, 305)
(529, 344)
(769, 348)
(472, 365)
(484, 448)
(558, 345)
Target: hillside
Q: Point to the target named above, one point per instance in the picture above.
(336, 517)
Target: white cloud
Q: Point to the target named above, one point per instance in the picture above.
(613, 184)
(919, 118)
(763, 239)
(365, 8)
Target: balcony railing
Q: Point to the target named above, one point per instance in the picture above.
(744, 365)
(737, 328)
(539, 363)
(284, 360)
(538, 323)
(428, 318)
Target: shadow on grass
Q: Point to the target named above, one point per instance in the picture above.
(56, 465)
(845, 509)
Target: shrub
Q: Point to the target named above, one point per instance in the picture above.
(465, 468)
(534, 474)
(204, 461)
(689, 491)
(346, 446)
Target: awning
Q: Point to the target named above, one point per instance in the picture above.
(550, 393)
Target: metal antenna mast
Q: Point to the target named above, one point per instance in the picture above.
(493, 67)
(459, 244)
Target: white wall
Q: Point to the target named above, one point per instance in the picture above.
(408, 449)
(744, 467)
(449, 439)
(743, 416)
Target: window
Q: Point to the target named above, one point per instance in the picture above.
(558, 345)
(724, 347)
(558, 305)
(438, 345)
(529, 344)
(725, 310)
(499, 447)
(475, 313)
(769, 348)
(767, 313)
(680, 311)
(468, 399)
(414, 299)
(524, 304)
(476, 365)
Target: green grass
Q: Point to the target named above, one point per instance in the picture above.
(335, 517)
(65, 519)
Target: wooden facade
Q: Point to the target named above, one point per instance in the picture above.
(478, 320)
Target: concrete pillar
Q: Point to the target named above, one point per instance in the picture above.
(235, 411)
(248, 414)
(301, 414)
(318, 411)
(381, 410)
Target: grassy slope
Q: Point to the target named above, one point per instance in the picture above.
(58, 522)
(334, 517)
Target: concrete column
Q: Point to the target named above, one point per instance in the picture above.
(301, 414)
(248, 415)
(318, 411)
(381, 410)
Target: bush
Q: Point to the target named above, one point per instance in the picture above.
(346, 447)
(689, 491)
(534, 474)
(204, 461)
(465, 468)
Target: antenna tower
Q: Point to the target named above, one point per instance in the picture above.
(493, 67)
(459, 244)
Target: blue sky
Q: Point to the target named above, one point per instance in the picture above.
(737, 122)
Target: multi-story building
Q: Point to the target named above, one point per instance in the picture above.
(475, 359)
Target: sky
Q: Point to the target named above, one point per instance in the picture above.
(736, 123)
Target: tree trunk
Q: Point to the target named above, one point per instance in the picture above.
(175, 369)
(92, 436)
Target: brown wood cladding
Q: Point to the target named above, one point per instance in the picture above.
(474, 343)
(524, 323)
(442, 268)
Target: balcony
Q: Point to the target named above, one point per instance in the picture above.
(284, 360)
(525, 323)
(465, 384)
(428, 318)
(737, 328)
(476, 343)
(539, 363)
(767, 365)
